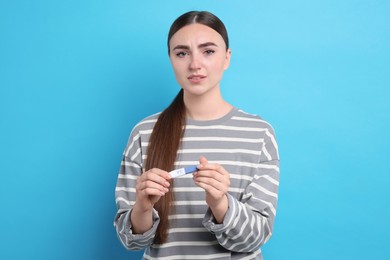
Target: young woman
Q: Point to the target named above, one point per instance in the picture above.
(224, 210)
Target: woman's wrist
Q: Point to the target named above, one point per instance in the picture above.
(141, 219)
(219, 210)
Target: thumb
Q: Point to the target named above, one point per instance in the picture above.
(203, 160)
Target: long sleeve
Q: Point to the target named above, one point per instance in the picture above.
(125, 194)
(244, 144)
(248, 222)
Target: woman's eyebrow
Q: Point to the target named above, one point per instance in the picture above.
(207, 44)
(181, 47)
(202, 45)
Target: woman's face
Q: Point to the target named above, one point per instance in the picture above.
(199, 57)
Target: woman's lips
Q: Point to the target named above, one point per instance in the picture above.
(196, 78)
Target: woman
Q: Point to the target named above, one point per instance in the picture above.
(226, 209)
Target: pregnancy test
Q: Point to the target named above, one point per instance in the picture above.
(183, 171)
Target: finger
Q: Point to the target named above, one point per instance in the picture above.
(208, 174)
(214, 167)
(149, 188)
(148, 184)
(210, 183)
(161, 173)
(157, 176)
(153, 192)
(211, 190)
(217, 175)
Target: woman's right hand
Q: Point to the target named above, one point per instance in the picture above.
(151, 185)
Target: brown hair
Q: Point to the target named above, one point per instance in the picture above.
(169, 128)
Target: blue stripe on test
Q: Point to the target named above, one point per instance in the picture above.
(190, 169)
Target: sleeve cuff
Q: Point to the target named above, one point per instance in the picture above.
(215, 228)
(149, 234)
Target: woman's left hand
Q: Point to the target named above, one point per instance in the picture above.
(215, 180)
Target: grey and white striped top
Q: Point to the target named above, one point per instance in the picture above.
(245, 146)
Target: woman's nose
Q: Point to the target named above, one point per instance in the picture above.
(195, 63)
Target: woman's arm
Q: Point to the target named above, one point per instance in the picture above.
(215, 180)
(248, 222)
(136, 221)
(151, 185)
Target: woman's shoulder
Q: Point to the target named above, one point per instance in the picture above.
(147, 123)
(254, 120)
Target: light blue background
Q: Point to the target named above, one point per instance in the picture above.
(77, 75)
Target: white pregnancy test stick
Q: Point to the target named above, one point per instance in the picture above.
(183, 171)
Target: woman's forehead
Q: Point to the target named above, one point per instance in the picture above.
(196, 34)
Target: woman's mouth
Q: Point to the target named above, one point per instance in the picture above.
(196, 78)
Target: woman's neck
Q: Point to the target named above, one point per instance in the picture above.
(206, 107)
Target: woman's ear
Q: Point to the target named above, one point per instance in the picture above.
(227, 60)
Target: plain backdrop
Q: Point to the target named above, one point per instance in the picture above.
(76, 76)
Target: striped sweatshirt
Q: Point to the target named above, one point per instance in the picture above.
(246, 147)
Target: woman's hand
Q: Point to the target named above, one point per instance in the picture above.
(215, 180)
(151, 185)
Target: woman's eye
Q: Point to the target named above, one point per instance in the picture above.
(181, 54)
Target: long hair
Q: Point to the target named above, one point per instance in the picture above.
(170, 126)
